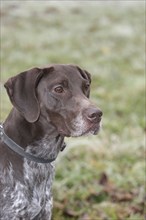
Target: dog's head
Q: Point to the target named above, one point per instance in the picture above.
(60, 95)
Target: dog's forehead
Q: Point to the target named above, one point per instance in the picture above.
(66, 70)
(62, 72)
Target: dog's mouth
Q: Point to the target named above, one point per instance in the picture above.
(64, 133)
(92, 130)
(77, 127)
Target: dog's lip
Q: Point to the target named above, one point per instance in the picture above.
(93, 130)
(96, 131)
(63, 133)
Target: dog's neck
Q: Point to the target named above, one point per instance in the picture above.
(41, 136)
(25, 133)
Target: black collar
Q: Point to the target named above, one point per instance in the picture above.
(19, 150)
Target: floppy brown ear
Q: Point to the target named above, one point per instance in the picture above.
(86, 75)
(22, 93)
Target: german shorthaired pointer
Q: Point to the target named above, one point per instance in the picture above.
(49, 103)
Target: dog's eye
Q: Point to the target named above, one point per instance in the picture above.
(58, 89)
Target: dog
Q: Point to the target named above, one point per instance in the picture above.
(49, 104)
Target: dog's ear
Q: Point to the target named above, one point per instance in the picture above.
(22, 93)
(86, 75)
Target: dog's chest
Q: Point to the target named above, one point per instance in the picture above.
(38, 178)
(32, 196)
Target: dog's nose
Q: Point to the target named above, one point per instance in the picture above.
(93, 114)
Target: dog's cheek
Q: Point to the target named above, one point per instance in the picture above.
(50, 102)
(59, 122)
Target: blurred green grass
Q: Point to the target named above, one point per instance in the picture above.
(107, 39)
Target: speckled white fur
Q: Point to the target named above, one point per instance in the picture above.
(80, 127)
(31, 198)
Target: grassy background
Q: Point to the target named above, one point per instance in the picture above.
(97, 178)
